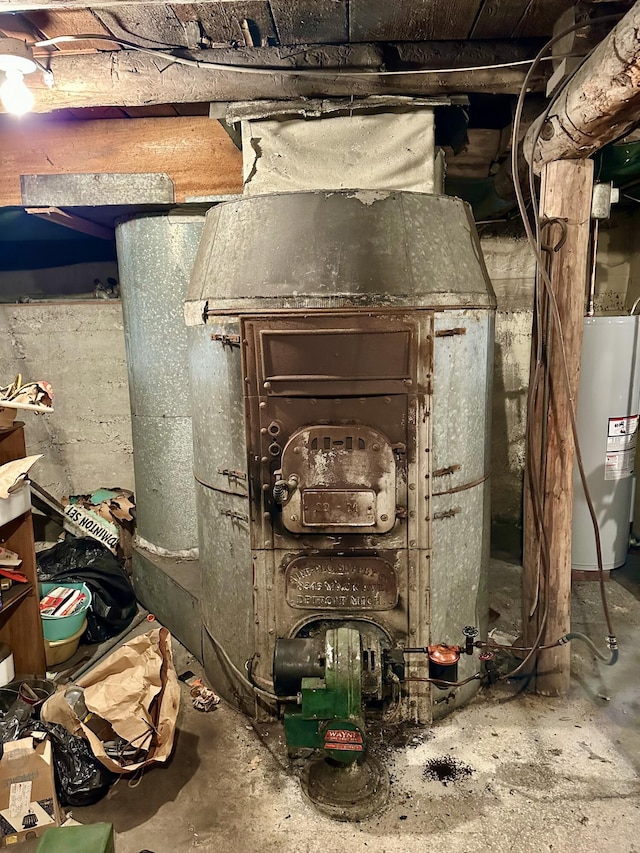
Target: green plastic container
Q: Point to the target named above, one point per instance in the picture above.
(92, 838)
(63, 627)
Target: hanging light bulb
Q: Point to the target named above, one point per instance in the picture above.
(16, 98)
(16, 60)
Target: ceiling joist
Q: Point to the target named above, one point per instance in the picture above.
(127, 78)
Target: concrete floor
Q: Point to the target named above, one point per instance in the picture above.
(544, 774)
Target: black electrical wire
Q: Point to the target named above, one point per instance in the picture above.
(441, 683)
(504, 646)
(242, 679)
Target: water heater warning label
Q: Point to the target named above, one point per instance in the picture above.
(621, 447)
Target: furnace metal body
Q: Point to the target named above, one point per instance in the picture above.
(341, 347)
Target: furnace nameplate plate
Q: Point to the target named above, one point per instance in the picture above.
(341, 583)
(344, 507)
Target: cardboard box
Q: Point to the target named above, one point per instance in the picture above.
(28, 802)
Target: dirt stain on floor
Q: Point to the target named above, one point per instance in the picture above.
(446, 770)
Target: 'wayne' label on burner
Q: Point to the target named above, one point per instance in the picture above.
(341, 583)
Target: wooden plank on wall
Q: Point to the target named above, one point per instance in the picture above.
(195, 152)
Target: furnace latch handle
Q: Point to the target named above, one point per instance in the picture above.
(283, 489)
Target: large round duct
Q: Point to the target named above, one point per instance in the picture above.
(155, 258)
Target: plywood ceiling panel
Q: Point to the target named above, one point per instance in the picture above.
(18, 27)
(224, 23)
(422, 20)
(149, 26)
(68, 22)
(498, 18)
(540, 16)
(311, 21)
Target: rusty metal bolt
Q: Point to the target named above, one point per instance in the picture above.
(548, 130)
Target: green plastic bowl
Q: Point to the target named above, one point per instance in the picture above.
(63, 627)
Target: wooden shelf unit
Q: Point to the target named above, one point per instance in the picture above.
(20, 622)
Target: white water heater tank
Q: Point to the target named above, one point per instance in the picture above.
(608, 408)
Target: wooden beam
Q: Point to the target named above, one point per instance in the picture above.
(600, 104)
(128, 78)
(75, 223)
(566, 195)
(195, 152)
(475, 159)
(27, 5)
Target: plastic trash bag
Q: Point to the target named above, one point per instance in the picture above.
(80, 778)
(9, 729)
(85, 560)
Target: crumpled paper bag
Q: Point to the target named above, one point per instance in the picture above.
(136, 689)
(13, 474)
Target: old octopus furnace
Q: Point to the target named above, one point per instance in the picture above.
(340, 346)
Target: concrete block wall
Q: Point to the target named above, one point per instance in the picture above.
(511, 267)
(74, 280)
(79, 348)
(510, 264)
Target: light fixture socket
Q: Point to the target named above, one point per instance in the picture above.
(16, 55)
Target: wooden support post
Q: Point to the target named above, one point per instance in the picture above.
(566, 198)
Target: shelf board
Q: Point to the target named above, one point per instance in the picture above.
(13, 595)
